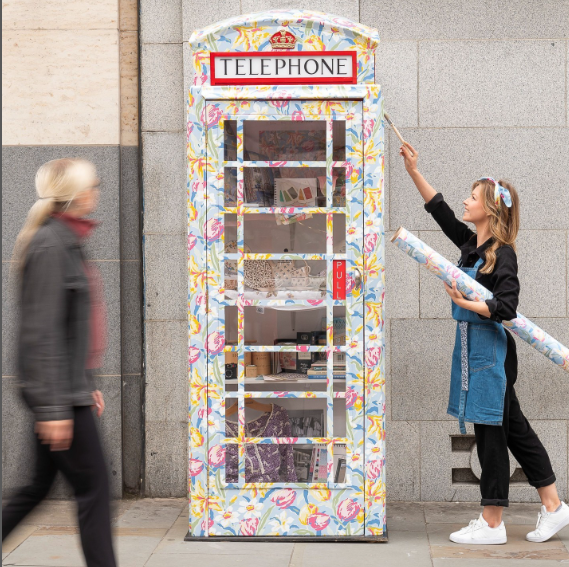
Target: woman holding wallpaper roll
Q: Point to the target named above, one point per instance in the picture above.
(484, 362)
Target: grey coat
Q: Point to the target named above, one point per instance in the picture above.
(54, 331)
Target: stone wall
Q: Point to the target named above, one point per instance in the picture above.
(70, 89)
(480, 88)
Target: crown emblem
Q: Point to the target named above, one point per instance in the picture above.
(282, 40)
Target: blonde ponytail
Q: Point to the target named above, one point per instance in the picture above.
(58, 182)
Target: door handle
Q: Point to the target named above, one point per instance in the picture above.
(358, 278)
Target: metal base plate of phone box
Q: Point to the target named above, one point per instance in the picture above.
(294, 539)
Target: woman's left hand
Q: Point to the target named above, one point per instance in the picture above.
(99, 402)
(455, 295)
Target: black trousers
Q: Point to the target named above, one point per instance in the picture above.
(515, 434)
(83, 466)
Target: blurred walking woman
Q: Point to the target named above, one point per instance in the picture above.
(62, 337)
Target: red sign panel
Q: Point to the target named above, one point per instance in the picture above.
(282, 68)
(339, 279)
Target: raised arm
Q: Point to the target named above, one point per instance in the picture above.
(410, 156)
(455, 230)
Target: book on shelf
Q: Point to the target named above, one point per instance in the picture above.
(339, 372)
(318, 469)
(338, 324)
(293, 192)
(323, 375)
(321, 370)
(283, 377)
(340, 463)
(322, 473)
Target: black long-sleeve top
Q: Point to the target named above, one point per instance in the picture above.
(502, 282)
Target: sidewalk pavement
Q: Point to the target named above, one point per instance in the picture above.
(150, 533)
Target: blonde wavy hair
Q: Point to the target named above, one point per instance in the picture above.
(504, 221)
(58, 182)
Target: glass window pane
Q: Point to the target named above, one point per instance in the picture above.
(284, 186)
(230, 186)
(339, 140)
(339, 325)
(280, 279)
(273, 326)
(339, 417)
(230, 241)
(284, 140)
(230, 140)
(267, 234)
(230, 324)
(230, 232)
(339, 233)
(339, 186)
(339, 466)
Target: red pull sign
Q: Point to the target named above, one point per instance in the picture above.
(339, 279)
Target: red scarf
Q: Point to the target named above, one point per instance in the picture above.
(83, 228)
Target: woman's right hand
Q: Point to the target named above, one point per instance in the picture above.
(410, 155)
(58, 434)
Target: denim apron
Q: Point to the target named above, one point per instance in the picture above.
(478, 378)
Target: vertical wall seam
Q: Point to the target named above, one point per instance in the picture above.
(121, 231)
(142, 488)
(419, 283)
(418, 67)
(566, 85)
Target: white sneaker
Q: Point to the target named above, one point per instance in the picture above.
(478, 532)
(549, 523)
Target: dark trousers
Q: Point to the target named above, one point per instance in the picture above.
(83, 466)
(515, 434)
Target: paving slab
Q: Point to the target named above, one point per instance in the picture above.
(152, 513)
(404, 548)
(454, 512)
(136, 550)
(53, 513)
(151, 533)
(19, 534)
(445, 562)
(64, 512)
(173, 543)
(517, 546)
(48, 551)
(450, 512)
(405, 516)
(564, 536)
(214, 560)
(60, 546)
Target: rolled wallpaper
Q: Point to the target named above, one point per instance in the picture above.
(448, 272)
